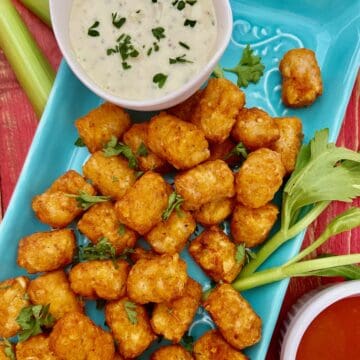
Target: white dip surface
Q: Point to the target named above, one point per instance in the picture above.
(132, 77)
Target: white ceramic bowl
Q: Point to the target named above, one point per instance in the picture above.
(307, 309)
(60, 15)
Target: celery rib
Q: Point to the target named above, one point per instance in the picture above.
(40, 8)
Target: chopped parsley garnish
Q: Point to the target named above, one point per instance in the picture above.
(131, 313)
(103, 250)
(92, 29)
(238, 150)
(138, 174)
(121, 230)
(243, 254)
(184, 45)
(187, 342)
(8, 349)
(125, 48)
(159, 33)
(115, 148)
(174, 203)
(190, 23)
(180, 4)
(218, 72)
(154, 1)
(142, 150)
(160, 79)
(149, 51)
(117, 20)
(85, 200)
(179, 60)
(79, 142)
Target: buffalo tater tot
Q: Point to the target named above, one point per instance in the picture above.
(100, 279)
(76, 337)
(144, 203)
(12, 299)
(236, 320)
(259, 178)
(301, 75)
(101, 221)
(216, 255)
(212, 346)
(171, 352)
(218, 107)
(214, 212)
(172, 319)
(35, 348)
(46, 251)
(137, 139)
(252, 226)
(289, 143)
(206, 182)
(180, 143)
(53, 288)
(111, 175)
(185, 110)
(130, 326)
(170, 236)
(55, 207)
(99, 125)
(255, 129)
(160, 279)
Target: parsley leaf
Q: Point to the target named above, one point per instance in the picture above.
(121, 230)
(218, 72)
(79, 142)
(184, 45)
(159, 33)
(103, 250)
(85, 201)
(174, 202)
(160, 79)
(238, 150)
(8, 349)
(187, 342)
(118, 22)
(131, 313)
(190, 23)
(142, 150)
(249, 69)
(179, 59)
(115, 148)
(91, 31)
(243, 254)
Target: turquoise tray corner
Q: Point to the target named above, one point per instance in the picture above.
(330, 27)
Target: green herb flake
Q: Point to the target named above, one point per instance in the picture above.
(79, 142)
(115, 148)
(238, 150)
(92, 29)
(160, 80)
(184, 45)
(8, 349)
(187, 342)
(103, 250)
(131, 312)
(174, 203)
(117, 20)
(159, 33)
(138, 174)
(142, 150)
(121, 230)
(190, 23)
(85, 201)
(179, 60)
(218, 72)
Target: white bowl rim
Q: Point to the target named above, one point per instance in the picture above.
(309, 310)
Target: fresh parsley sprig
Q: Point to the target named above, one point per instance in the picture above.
(131, 312)
(85, 200)
(102, 250)
(115, 148)
(142, 150)
(243, 254)
(238, 150)
(174, 202)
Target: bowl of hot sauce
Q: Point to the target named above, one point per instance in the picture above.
(324, 325)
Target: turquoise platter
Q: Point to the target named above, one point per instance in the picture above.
(330, 27)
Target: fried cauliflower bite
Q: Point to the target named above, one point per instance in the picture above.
(53, 288)
(171, 352)
(212, 346)
(259, 178)
(12, 299)
(144, 203)
(35, 348)
(218, 107)
(216, 255)
(100, 221)
(236, 320)
(172, 319)
(252, 226)
(100, 279)
(136, 136)
(160, 279)
(111, 175)
(255, 129)
(76, 337)
(54, 207)
(214, 212)
(180, 143)
(205, 183)
(289, 143)
(170, 236)
(185, 110)
(221, 151)
(46, 251)
(301, 75)
(130, 326)
(99, 125)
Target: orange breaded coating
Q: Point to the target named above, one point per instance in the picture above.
(170, 236)
(221, 151)
(99, 125)
(12, 300)
(53, 288)
(118, 357)
(214, 212)
(218, 107)
(171, 352)
(111, 175)
(207, 182)
(46, 251)
(160, 279)
(35, 348)
(259, 178)
(136, 136)
(172, 319)
(130, 326)
(180, 143)
(54, 207)
(301, 75)
(216, 255)
(76, 337)
(144, 203)
(255, 129)
(185, 110)
(252, 226)
(100, 279)
(140, 253)
(289, 143)
(101, 221)
(212, 346)
(236, 320)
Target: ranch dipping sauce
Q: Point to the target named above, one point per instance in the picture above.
(142, 49)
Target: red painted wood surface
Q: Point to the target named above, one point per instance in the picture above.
(18, 123)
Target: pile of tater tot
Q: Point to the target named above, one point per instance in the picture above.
(194, 140)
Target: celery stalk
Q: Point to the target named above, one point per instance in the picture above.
(31, 68)
(40, 8)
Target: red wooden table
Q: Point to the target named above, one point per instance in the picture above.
(18, 123)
